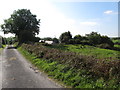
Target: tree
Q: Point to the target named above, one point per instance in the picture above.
(94, 38)
(77, 39)
(107, 40)
(47, 39)
(65, 37)
(4, 40)
(23, 24)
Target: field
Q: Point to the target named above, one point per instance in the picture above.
(117, 46)
(117, 41)
(90, 50)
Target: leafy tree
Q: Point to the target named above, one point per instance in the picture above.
(107, 40)
(23, 24)
(94, 38)
(78, 39)
(102, 41)
(65, 37)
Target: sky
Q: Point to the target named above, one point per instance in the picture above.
(58, 16)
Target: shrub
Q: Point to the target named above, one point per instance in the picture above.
(104, 45)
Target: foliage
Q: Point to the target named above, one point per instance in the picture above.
(65, 37)
(78, 39)
(47, 39)
(4, 41)
(9, 40)
(105, 46)
(107, 40)
(73, 69)
(23, 24)
(116, 41)
(94, 38)
(55, 40)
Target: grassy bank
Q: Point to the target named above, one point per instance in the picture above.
(70, 76)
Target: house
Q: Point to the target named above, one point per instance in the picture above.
(42, 41)
(45, 41)
(49, 42)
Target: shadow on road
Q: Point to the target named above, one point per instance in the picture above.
(11, 47)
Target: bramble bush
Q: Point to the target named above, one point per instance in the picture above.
(96, 68)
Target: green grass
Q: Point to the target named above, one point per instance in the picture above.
(70, 77)
(89, 50)
(116, 41)
(4, 46)
(118, 46)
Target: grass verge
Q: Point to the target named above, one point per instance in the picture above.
(70, 77)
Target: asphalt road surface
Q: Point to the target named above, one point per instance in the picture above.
(17, 72)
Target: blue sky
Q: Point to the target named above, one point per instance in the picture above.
(58, 16)
(93, 12)
(85, 9)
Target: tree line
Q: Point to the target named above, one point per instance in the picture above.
(93, 39)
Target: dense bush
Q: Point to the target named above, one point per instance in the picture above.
(94, 38)
(107, 40)
(104, 45)
(95, 67)
(65, 37)
(78, 39)
(116, 41)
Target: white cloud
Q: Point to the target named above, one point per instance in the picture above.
(89, 23)
(110, 12)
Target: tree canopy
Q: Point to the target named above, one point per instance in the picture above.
(94, 38)
(23, 24)
(77, 39)
(65, 37)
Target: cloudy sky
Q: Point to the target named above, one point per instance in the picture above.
(76, 16)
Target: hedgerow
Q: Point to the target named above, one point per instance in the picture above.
(99, 69)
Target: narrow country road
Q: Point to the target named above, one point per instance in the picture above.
(17, 72)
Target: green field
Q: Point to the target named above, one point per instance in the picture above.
(90, 50)
(117, 46)
(116, 41)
